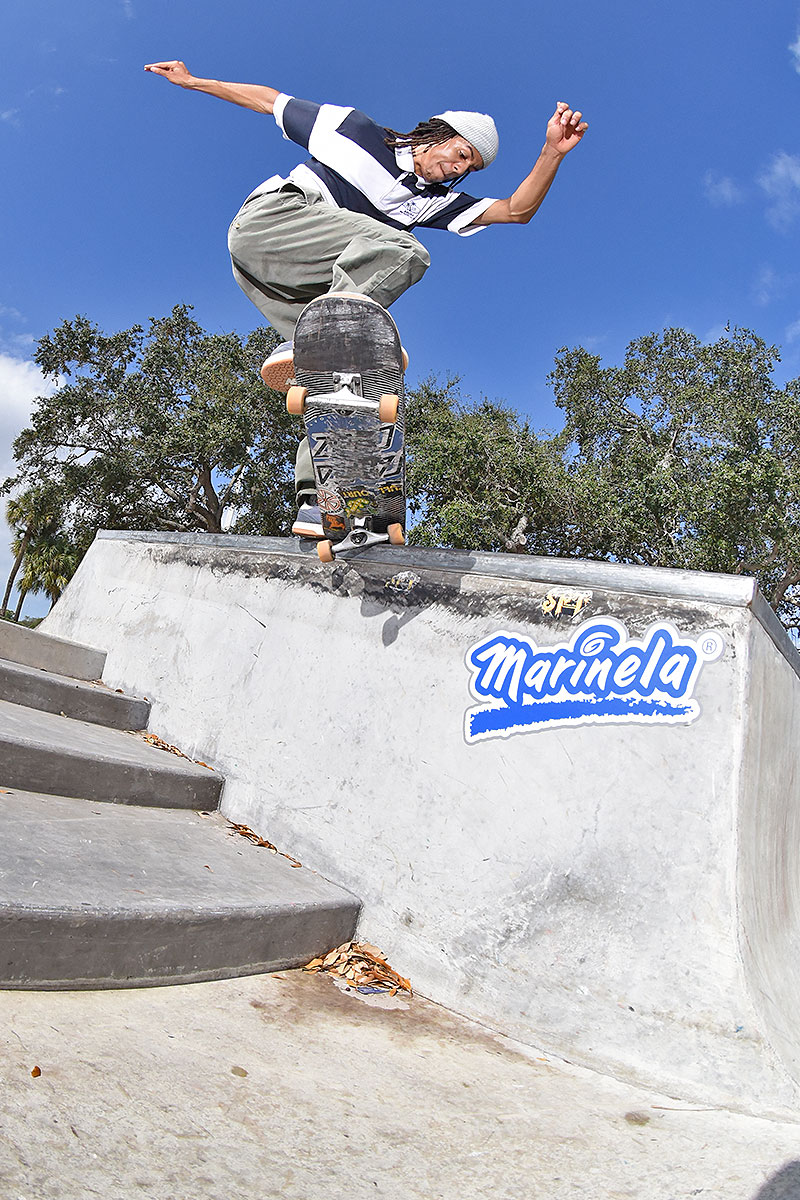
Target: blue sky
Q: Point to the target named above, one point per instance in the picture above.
(681, 206)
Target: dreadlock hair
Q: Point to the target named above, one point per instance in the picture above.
(427, 133)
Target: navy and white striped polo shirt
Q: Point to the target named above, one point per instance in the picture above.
(353, 168)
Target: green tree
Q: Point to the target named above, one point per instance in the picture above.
(50, 563)
(687, 456)
(32, 514)
(158, 429)
(478, 476)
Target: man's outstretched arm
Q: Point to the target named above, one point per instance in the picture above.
(248, 95)
(564, 130)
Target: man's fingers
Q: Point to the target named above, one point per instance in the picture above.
(571, 122)
(163, 68)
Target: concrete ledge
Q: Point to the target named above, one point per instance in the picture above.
(39, 689)
(96, 897)
(705, 586)
(34, 649)
(506, 570)
(42, 752)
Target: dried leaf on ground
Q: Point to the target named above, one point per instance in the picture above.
(252, 836)
(361, 965)
(154, 740)
(160, 744)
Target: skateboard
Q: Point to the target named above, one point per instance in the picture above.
(348, 371)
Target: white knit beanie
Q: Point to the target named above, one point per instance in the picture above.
(479, 130)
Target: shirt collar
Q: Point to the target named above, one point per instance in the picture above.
(404, 157)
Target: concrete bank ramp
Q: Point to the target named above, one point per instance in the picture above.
(566, 792)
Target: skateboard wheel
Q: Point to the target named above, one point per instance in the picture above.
(325, 551)
(296, 400)
(396, 535)
(387, 409)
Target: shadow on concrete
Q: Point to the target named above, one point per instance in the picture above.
(400, 597)
(784, 1185)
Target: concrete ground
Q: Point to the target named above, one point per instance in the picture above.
(284, 1086)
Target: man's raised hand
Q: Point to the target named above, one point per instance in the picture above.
(175, 71)
(565, 128)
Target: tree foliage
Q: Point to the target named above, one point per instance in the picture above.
(478, 476)
(33, 515)
(687, 456)
(158, 429)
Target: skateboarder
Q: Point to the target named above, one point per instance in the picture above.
(342, 221)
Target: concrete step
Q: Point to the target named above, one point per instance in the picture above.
(33, 649)
(40, 689)
(42, 752)
(96, 896)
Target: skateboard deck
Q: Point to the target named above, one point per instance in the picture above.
(348, 368)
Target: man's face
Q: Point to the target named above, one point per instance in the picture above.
(446, 161)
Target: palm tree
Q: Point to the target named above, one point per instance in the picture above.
(21, 600)
(50, 563)
(31, 514)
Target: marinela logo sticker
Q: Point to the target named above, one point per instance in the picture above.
(601, 676)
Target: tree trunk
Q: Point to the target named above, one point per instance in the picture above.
(18, 613)
(517, 543)
(26, 537)
(213, 513)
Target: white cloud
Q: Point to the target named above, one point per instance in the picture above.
(721, 190)
(715, 333)
(20, 383)
(768, 285)
(13, 116)
(595, 342)
(793, 331)
(794, 50)
(14, 344)
(781, 183)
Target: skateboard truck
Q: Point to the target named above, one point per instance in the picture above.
(348, 395)
(360, 537)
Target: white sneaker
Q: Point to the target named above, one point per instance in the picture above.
(278, 369)
(308, 522)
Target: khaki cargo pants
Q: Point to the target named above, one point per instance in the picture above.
(288, 246)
